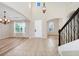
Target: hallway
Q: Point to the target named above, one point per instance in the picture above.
(29, 47)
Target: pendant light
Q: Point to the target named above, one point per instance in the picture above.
(44, 8)
(4, 20)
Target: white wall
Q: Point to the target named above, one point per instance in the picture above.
(22, 7)
(4, 31)
(7, 30)
(56, 25)
(60, 10)
(54, 10)
(69, 8)
(26, 34)
(36, 14)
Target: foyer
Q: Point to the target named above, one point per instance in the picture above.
(38, 28)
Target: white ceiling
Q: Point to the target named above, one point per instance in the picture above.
(11, 13)
(21, 7)
(54, 10)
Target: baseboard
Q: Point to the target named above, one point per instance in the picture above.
(37, 38)
(16, 37)
(5, 38)
(26, 37)
(20, 37)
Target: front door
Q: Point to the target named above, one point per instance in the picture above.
(38, 28)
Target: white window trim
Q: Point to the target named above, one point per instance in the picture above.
(15, 26)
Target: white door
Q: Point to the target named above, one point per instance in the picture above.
(38, 28)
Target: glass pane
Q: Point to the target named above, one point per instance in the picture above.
(19, 27)
(50, 27)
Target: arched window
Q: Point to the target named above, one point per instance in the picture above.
(50, 27)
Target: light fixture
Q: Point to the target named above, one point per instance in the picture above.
(4, 20)
(44, 8)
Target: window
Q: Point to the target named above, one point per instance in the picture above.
(50, 27)
(19, 27)
(37, 4)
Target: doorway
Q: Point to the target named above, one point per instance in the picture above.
(38, 28)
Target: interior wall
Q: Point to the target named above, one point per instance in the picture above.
(7, 29)
(26, 34)
(56, 25)
(23, 8)
(36, 14)
(69, 9)
(53, 10)
(4, 31)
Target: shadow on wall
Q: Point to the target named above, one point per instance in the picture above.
(70, 14)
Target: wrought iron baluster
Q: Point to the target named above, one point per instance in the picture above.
(78, 25)
(59, 38)
(65, 34)
(68, 33)
(74, 28)
(71, 30)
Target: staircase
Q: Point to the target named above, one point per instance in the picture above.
(70, 31)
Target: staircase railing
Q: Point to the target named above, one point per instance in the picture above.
(70, 31)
